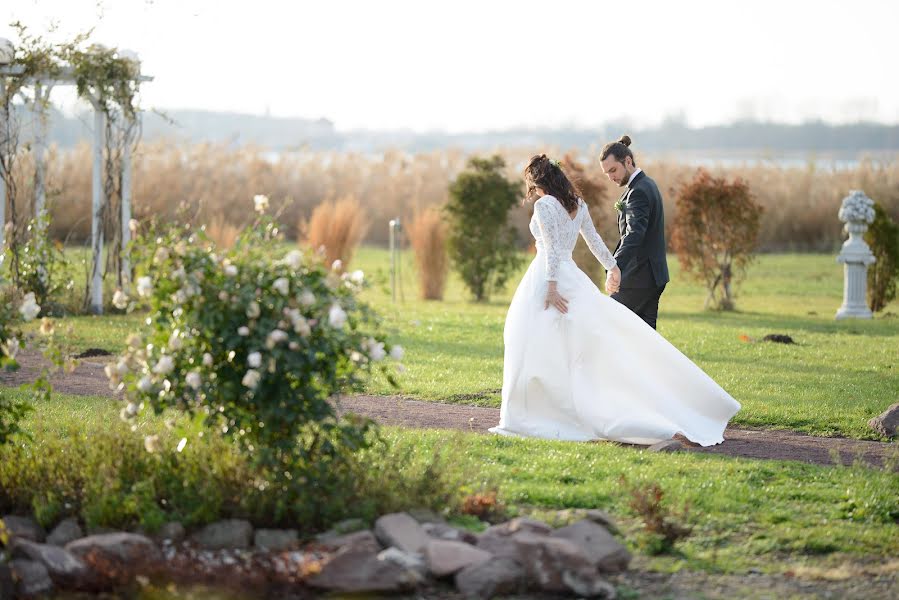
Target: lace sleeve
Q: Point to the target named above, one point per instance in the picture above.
(548, 220)
(595, 243)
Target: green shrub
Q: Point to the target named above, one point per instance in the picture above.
(883, 238)
(482, 244)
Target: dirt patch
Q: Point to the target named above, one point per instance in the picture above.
(89, 379)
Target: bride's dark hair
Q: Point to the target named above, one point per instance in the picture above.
(547, 174)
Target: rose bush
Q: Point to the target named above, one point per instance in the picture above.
(256, 342)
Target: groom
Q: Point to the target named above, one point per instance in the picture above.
(641, 221)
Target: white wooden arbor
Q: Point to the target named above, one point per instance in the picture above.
(42, 86)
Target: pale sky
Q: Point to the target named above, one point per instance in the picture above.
(462, 65)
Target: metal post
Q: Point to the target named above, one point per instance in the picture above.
(393, 226)
(96, 206)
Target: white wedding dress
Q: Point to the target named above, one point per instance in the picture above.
(599, 371)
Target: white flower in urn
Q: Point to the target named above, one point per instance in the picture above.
(29, 308)
(260, 202)
(857, 208)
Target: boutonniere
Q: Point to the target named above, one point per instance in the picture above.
(620, 204)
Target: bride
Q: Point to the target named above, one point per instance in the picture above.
(581, 366)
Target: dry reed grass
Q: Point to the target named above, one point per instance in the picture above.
(215, 180)
(221, 232)
(336, 228)
(427, 235)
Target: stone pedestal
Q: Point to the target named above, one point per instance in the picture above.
(855, 256)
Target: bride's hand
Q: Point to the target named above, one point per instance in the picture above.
(554, 298)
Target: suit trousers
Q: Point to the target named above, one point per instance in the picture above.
(642, 301)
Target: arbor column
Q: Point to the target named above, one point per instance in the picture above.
(96, 286)
(4, 123)
(126, 209)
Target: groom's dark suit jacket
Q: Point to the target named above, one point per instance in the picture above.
(641, 250)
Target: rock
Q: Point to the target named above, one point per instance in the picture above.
(349, 526)
(227, 534)
(603, 518)
(172, 531)
(402, 531)
(499, 540)
(425, 515)
(413, 562)
(666, 446)
(599, 546)
(360, 540)
(64, 568)
(887, 423)
(23, 527)
(497, 576)
(445, 557)
(66, 531)
(31, 578)
(588, 584)
(547, 559)
(127, 553)
(443, 531)
(276, 540)
(7, 585)
(359, 571)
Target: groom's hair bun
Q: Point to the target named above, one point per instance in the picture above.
(620, 150)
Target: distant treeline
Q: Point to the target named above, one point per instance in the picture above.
(744, 138)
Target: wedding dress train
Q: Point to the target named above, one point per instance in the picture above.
(599, 371)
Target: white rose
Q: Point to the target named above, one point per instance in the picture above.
(230, 270)
(260, 202)
(337, 265)
(122, 367)
(253, 310)
(293, 346)
(251, 379)
(243, 331)
(120, 300)
(194, 380)
(254, 359)
(29, 308)
(357, 277)
(175, 341)
(337, 317)
(376, 350)
(294, 259)
(274, 338)
(152, 444)
(207, 360)
(162, 255)
(128, 412)
(397, 352)
(12, 347)
(165, 365)
(145, 384)
(144, 286)
(307, 298)
(133, 225)
(282, 285)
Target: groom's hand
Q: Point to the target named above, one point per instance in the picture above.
(554, 298)
(613, 280)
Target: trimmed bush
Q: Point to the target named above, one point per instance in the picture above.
(883, 238)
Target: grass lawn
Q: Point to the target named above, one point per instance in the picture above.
(837, 376)
(745, 514)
